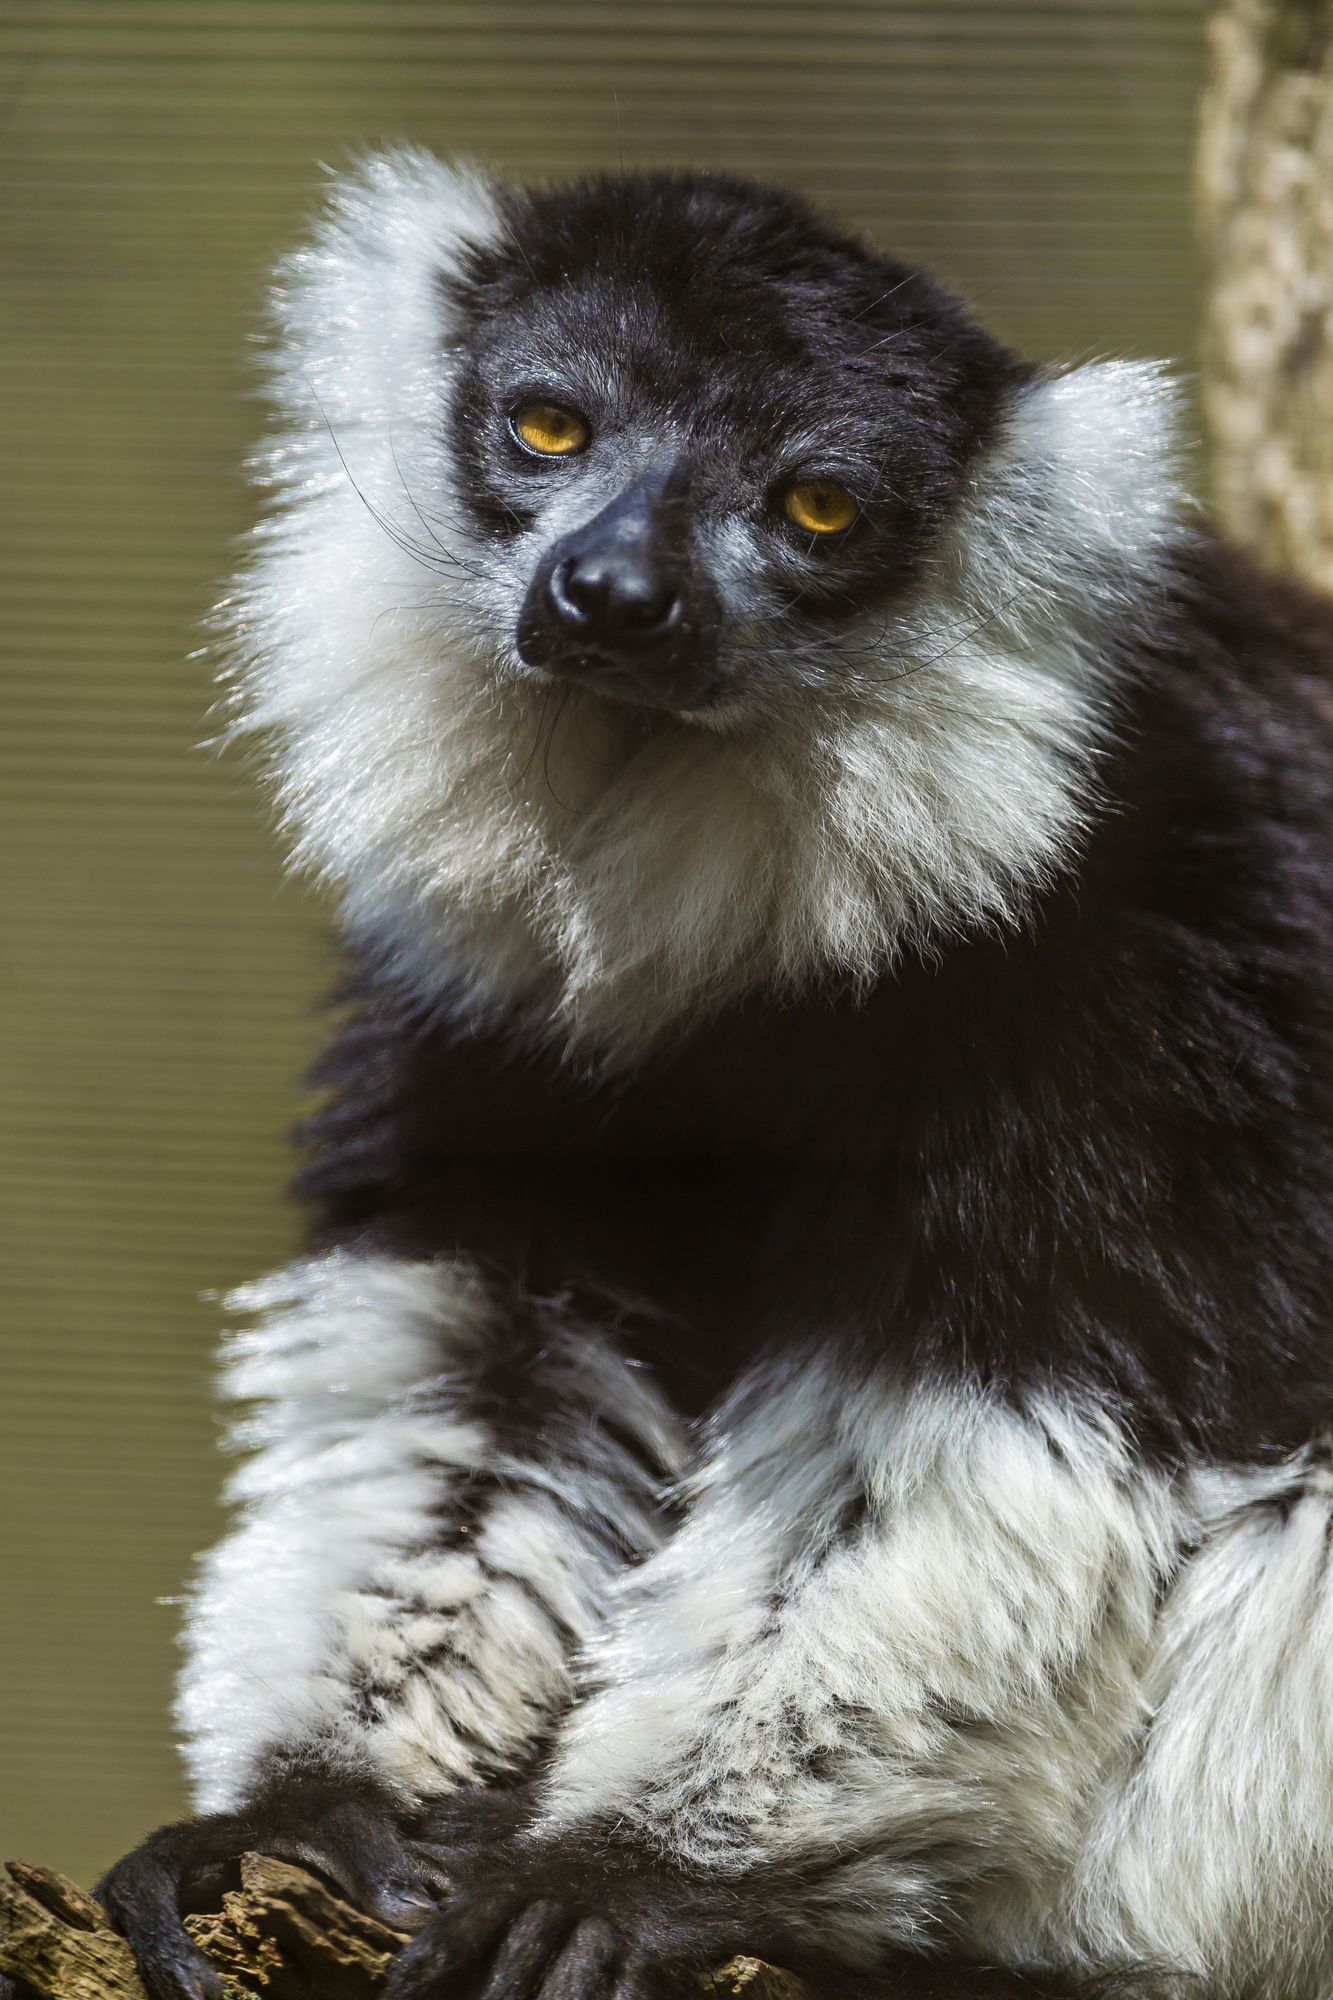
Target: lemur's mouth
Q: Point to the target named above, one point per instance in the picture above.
(681, 689)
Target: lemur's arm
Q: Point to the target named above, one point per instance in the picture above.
(445, 1476)
(447, 1481)
(449, 1476)
(800, 1734)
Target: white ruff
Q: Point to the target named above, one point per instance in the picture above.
(621, 875)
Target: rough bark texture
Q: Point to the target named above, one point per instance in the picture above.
(281, 1936)
(1265, 189)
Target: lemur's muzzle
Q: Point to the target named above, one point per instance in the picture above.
(618, 605)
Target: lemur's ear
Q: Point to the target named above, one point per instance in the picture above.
(357, 359)
(1079, 500)
(359, 310)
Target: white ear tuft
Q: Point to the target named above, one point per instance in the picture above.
(359, 308)
(1080, 501)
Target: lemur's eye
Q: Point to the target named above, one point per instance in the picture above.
(549, 429)
(819, 506)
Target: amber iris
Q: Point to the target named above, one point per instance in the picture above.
(819, 506)
(549, 429)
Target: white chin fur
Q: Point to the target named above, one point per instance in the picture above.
(621, 876)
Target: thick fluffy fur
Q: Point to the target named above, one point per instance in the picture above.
(1231, 1781)
(618, 880)
(925, 1581)
(439, 1491)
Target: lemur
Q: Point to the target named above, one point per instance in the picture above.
(801, 1424)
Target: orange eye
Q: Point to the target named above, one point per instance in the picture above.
(819, 506)
(549, 429)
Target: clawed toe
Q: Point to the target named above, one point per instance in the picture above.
(348, 1835)
(141, 1895)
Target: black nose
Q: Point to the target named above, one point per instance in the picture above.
(614, 595)
(622, 604)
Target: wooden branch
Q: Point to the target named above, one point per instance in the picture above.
(281, 1936)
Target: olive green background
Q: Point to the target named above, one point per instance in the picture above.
(158, 975)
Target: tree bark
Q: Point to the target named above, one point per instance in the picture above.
(281, 1936)
(1265, 200)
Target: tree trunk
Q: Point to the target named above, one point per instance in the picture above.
(1265, 192)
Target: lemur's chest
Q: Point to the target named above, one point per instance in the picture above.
(766, 1086)
(670, 1185)
(776, 1134)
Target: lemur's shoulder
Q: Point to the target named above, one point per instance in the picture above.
(1258, 638)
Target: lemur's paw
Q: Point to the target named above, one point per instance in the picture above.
(579, 1922)
(348, 1832)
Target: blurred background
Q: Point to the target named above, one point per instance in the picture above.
(160, 979)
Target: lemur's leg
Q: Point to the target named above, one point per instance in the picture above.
(446, 1479)
(867, 1696)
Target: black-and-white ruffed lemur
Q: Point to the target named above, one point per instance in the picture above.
(802, 1424)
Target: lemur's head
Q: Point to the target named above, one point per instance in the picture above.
(671, 594)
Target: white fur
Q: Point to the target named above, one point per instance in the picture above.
(956, 1664)
(338, 1579)
(1078, 1709)
(939, 1691)
(1213, 1846)
(621, 875)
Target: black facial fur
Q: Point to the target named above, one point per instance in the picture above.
(720, 333)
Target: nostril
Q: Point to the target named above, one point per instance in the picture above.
(643, 606)
(574, 597)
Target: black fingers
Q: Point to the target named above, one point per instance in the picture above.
(14, 1989)
(587, 1967)
(521, 1961)
(142, 1897)
(480, 1948)
(454, 1944)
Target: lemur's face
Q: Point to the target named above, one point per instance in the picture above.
(699, 432)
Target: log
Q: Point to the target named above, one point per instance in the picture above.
(1265, 206)
(283, 1935)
